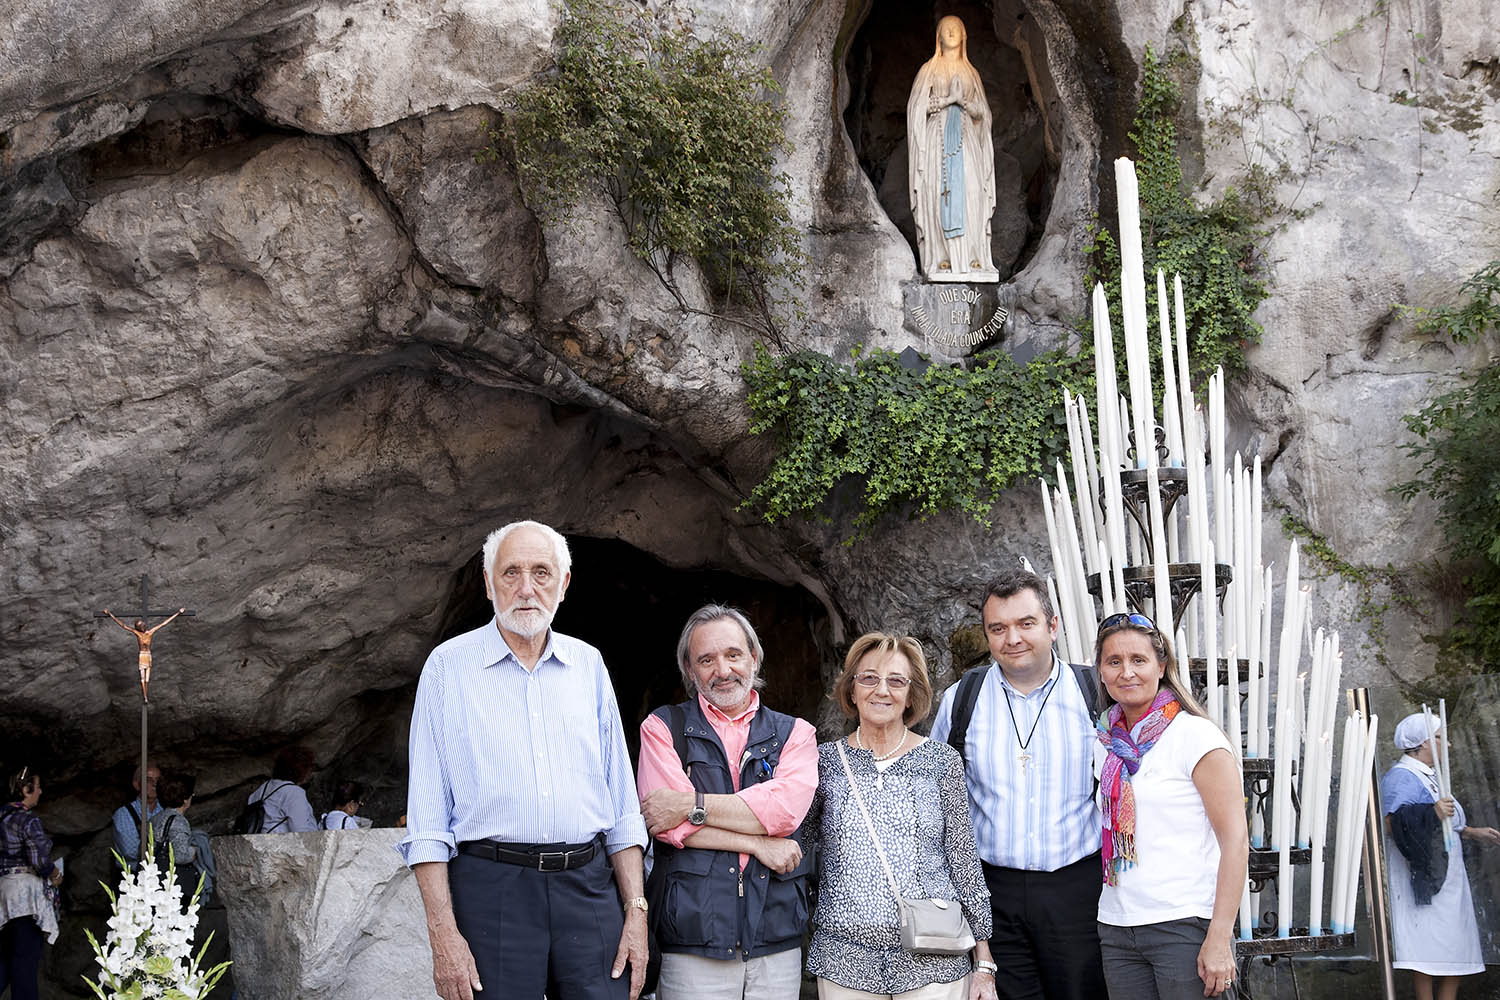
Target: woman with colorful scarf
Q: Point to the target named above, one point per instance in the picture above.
(1175, 846)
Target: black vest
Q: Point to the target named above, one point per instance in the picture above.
(704, 904)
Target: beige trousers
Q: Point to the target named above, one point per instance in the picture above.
(769, 977)
(933, 991)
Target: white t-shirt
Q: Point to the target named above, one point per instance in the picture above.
(1176, 852)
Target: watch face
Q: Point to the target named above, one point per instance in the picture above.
(697, 815)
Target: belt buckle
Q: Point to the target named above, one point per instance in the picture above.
(543, 865)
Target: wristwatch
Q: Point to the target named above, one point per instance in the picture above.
(638, 903)
(986, 968)
(698, 815)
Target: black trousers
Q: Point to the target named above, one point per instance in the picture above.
(537, 932)
(1046, 936)
(20, 957)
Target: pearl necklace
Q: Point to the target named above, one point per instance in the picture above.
(859, 739)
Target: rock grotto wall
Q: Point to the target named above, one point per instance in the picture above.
(273, 338)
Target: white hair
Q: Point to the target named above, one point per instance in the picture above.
(559, 545)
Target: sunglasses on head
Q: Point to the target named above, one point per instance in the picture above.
(1128, 618)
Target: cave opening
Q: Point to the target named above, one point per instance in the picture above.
(632, 606)
(1007, 48)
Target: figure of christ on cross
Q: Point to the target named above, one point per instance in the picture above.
(143, 638)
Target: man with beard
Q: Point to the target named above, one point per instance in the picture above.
(520, 788)
(725, 784)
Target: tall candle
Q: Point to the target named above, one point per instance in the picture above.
(1064, 611)
(1171, 417)
(1347, 792)
(1133, 301)
(1191, 439)
(1319, 810)
(1083, 604)
(1096, 523)
(1265, 657)
(1078, 449)
(1163, 586)
(1361, 810)
(1210, 627)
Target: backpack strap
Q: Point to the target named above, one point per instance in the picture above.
(963, 710)
(1088, 682)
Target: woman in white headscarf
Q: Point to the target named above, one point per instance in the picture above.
(1432, 914)
(951, 162)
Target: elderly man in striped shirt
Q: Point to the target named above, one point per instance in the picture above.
(1024, 726)
(520, 788)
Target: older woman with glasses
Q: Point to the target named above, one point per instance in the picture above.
(1175, 847)
(885, 781)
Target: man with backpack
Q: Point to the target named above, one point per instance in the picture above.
(127, 818)
(725, 784)
(279, 805)
(1025, 728)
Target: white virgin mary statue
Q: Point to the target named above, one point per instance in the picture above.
(951, 162)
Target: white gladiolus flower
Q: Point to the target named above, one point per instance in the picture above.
(148, 951)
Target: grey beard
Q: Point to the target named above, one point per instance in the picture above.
(526, 625)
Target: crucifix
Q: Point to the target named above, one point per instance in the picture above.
(143, 636)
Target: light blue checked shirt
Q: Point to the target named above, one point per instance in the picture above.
(1044, 817)
(497, 752)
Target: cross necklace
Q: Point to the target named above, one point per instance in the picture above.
(1025, 757)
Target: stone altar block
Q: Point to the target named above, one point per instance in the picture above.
(323, 916)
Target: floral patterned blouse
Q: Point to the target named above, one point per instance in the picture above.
(920, 807)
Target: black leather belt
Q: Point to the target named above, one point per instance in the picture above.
(542, 857)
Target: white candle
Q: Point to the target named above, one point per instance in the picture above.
(1210, 628)
(1064, 611)
(1310, 748)
(1133, 304)
(1319, 810)
(1265, 670)
(1078, 448)
(1163, 588)
(1083, 604)
(1096, 514)
(1351, 753)
(1065, 638)
(1285, 826)
(1361, 810)
(1171, 417)
(1190, 435)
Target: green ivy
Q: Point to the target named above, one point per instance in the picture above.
(945, 437)
(1456, 435)
(1213, 247)
(679, 133)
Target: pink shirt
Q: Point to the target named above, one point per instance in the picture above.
(779, 803)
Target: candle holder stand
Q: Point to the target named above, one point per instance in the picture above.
(1185, 580)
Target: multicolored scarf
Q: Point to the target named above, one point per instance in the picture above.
(1126, 748)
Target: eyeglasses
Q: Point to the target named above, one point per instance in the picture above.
(894, 683)
(1128, 618)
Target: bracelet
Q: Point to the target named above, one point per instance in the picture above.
(986, 968)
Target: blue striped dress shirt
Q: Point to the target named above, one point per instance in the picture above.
(1039, 818)
(501, 753)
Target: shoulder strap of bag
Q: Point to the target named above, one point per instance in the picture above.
(859, 800)
(1088, 684)
(963, 710)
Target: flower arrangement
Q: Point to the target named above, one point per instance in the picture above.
(148, 952)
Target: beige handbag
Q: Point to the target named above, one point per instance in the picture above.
(928, 926)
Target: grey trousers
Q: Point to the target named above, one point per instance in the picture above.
(1155, 961)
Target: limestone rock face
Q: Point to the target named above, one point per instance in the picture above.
(271, 336)
(323, 916)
